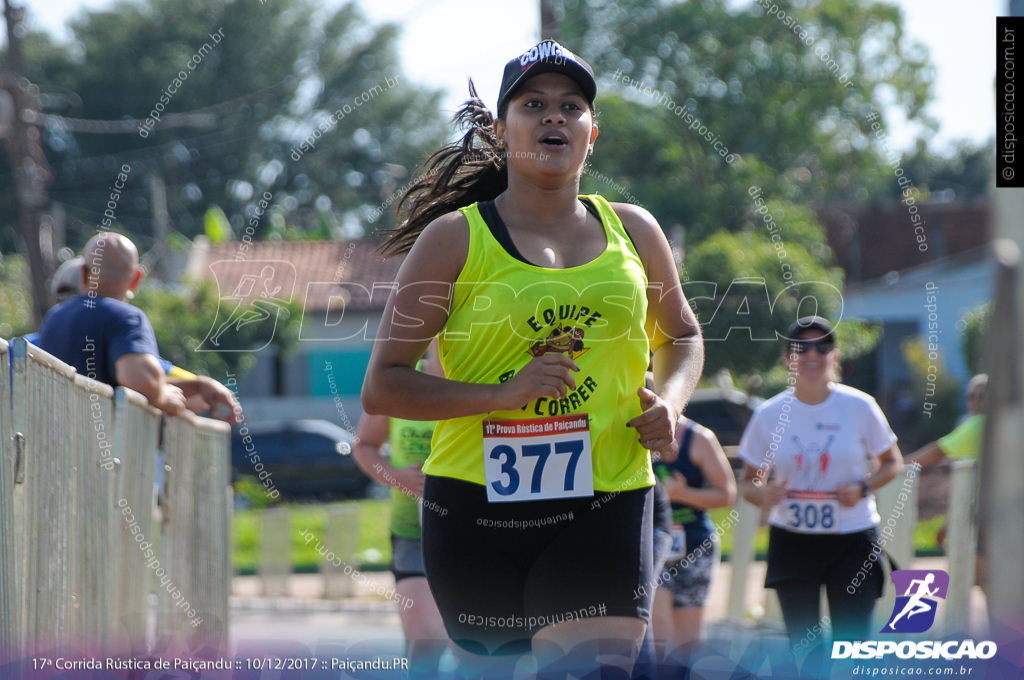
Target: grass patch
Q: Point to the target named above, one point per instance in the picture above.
(373, 552)
(925, 544)
(720, 517)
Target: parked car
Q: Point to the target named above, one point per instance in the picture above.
(304, 458)
(724, 411)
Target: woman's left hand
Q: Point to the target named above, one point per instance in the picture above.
(656, 426)
(850, 494)
(676, 486)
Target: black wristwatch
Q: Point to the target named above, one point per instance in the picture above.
(865, 488)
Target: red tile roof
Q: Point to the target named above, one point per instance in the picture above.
(310, 272)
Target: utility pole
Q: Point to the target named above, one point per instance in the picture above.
(549, 24)
(161, 224)
(20, 119)
(25, 151)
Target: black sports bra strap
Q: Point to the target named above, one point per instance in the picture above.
(499, 230)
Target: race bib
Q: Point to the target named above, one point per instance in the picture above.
(811, 512)
(536, 459)
(678, 550)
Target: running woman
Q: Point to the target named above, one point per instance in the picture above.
(425, 637)
(548, 304)
(830, 448)
(697, 478)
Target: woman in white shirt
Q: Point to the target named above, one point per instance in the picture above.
(814, 454)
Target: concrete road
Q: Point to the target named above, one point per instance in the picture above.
(299, 617)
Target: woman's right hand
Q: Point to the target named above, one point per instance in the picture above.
(549, 375)
(409, 480)
(773, 493)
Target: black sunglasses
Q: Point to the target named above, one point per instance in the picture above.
(801, 346)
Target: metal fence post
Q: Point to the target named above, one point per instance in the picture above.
(742, 556)
(1001, 462)
(10, 611)
(135, 533)
(211, 582)
(897, 509)
(961, 542)
(341, 535)
(193, 604)
(40, 393)
(96, 517)
(275, 551)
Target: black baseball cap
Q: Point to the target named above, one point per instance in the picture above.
(546, 57)
(806, 322)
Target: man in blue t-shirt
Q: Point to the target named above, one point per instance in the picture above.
(103, 336)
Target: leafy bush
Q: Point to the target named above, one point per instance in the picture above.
(972, 343)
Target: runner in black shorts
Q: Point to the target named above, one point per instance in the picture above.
(550, 305)
(526, 552)
(830, 447)
(696, 480)
(425, 637)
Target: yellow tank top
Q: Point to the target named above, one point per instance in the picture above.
(505, 311)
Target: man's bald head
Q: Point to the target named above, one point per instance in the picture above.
(111, 266)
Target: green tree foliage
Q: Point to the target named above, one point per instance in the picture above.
(714, 103)
(963, 173)
(743, 283)
(183, 318)
(794, 95)
(942, 392)
(972, 342)
(15, 305)
(271, 74)
(747, 290)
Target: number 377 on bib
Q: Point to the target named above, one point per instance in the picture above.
(537, 459)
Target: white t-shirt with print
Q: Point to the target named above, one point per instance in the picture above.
(813, 449)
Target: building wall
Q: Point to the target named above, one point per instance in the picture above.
(322, 378)
(855, 232)
(928, 301)
(344, 412)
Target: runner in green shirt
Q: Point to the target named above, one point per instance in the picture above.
(963, 443)
(426, 638)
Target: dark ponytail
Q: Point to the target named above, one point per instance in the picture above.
(458, 175)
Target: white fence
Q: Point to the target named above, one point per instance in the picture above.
(80, 552)
(338, 545)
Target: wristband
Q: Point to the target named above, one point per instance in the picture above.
(865, 488)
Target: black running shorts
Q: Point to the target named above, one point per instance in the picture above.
(500, 572)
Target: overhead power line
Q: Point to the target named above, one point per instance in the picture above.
(124, 126)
